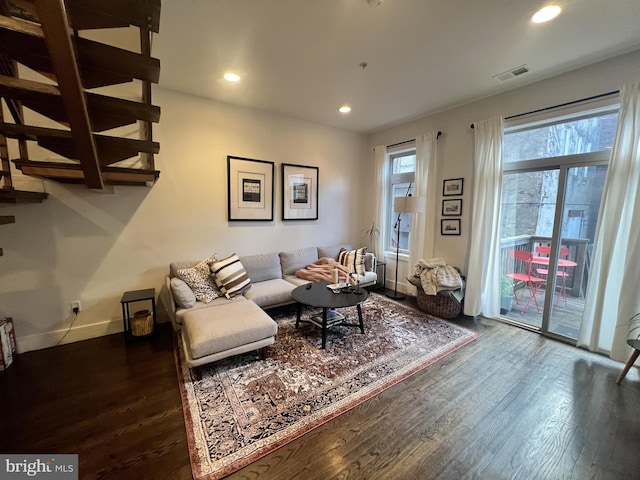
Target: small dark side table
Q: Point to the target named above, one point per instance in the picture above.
(147, 295)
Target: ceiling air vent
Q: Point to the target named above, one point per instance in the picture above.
(512, 73)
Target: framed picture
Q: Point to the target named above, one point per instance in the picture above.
(450, 226)
(249, 189)
(299, 192)
(452, 186)
(452, 208)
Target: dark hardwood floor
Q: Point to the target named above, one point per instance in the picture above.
(512, 404)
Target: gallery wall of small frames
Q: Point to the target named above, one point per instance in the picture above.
(451, 207)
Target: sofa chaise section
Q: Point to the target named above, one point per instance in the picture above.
(241, 326)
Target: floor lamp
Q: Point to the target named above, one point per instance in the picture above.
(402, 205)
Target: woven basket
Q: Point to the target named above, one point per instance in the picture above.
(442, 306)
(142, 323)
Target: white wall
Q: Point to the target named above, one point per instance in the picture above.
(455, 146)
(88, 246)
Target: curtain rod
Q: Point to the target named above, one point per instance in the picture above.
(573, 102)
(409, 141)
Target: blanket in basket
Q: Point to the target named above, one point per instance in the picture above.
(435, 276)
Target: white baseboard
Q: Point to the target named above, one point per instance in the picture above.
(76, 334)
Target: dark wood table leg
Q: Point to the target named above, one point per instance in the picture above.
(360, 318)
(324, 327)
(298, 313)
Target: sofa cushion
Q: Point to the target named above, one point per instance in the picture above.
(353, 259)
(200, 280)
(297, 259)
(333, 251)
(182, 294)
(230, 276)
(262, 267)
(220, 301)
(369, 278)
(212, 330)
(296, 281)
(271, 293)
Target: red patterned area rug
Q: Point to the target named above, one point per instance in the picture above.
(244, 408)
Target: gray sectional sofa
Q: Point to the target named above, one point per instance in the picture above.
(224, 327)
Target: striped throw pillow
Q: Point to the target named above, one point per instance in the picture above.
(230, 276)
(353, 259)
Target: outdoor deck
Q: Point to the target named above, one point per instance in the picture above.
(565, 319)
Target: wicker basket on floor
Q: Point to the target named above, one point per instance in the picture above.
(142, 323)
(441, 305)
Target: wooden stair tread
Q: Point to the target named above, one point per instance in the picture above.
(92, 14)
(110, 149)
(104, 112)
(72, 173)
(99, 64)
(21, 196)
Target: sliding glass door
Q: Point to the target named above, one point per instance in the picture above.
(550, 206)
(559, 236)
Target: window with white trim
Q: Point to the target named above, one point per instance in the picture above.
(402, 170)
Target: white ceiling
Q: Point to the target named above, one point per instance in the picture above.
(301, 58)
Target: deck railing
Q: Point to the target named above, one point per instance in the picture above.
(578, 252)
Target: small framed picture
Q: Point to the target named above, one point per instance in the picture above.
(450, 226)
(452, 208)
(452, 186)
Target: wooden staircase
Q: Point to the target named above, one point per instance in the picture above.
(46, 36)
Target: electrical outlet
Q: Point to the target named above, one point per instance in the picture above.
(76, 304)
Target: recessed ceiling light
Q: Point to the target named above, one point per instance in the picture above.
(231, 77)
(545, 14)
(344, 109)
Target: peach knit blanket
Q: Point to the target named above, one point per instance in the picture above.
(322, 270)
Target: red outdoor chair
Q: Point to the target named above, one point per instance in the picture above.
(519, 270)
(561, 273)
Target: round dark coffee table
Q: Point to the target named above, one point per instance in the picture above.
(318, 295)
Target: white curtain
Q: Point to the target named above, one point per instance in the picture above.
(482, 295)
(422, 234)
(381, 192)
(612, 293)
